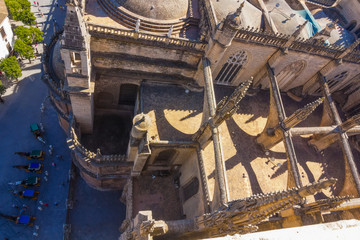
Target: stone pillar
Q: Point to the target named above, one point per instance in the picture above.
(139, 150)
(273, 136)
(76, 56)
(220, 41)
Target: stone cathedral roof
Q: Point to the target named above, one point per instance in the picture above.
(3, 11)
(157, 9)
(250, 15)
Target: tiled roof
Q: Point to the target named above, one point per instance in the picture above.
(3, 11)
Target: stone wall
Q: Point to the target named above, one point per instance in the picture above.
(195, 205)
(140, 59)
(258, 55)
(181, 156)
(350, 9)
(103, 172)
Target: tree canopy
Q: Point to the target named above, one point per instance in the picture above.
(20, 11)
(23, 49)
(11, 68)
(29, 35)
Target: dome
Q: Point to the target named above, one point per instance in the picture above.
(157, 9)
(57, 63)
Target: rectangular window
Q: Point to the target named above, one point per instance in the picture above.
(3, 34)
(8, 47)
(75, 58)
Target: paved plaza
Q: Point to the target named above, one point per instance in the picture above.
(23, 101)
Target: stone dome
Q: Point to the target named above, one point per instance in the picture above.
(157, 9)
(57, 63)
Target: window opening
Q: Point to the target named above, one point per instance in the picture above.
(231, 68)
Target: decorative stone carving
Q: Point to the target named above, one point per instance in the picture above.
(231, 68)
(289, 73)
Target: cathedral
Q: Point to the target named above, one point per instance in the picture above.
(214, 117)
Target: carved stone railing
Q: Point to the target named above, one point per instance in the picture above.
(103, 30)
(128, 19)
(88, 155)
(324, 3)
(308, 46)
(49, 76)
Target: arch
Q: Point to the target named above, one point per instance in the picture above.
(231, 68)
(128, 94)
(351, 25)
(289, 73)
(165, 157)
(105, 98)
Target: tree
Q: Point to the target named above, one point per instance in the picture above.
(28, 18)
(24, 50)
(29, 35)
(11, 68)
(2, 91)
(20, 11)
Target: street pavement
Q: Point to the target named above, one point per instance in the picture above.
(96, 215)
(21, 108)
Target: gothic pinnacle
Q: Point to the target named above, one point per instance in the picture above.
(302, 113)
(316, 187)
(228, 105)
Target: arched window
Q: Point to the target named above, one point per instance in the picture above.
(231, 68)
(333, 82)
(288, 74)
(190, 189)
(165, 157)
(351, 26)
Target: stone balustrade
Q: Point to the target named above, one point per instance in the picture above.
(324, 3)
(88, 155)
(96, 29)
(49, 76)
(302, 45)
(128, 19)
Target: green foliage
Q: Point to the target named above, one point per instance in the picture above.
(20, 11)
(36, 34)
(29, 35)
(2, 89)
(11, 68)
(28, 18)
(23, 49)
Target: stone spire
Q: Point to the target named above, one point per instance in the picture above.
(229, 105)
(294, 36)
(240, 216)
(234, 19)
(274, 135)
(301, 114)
(225, 109)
